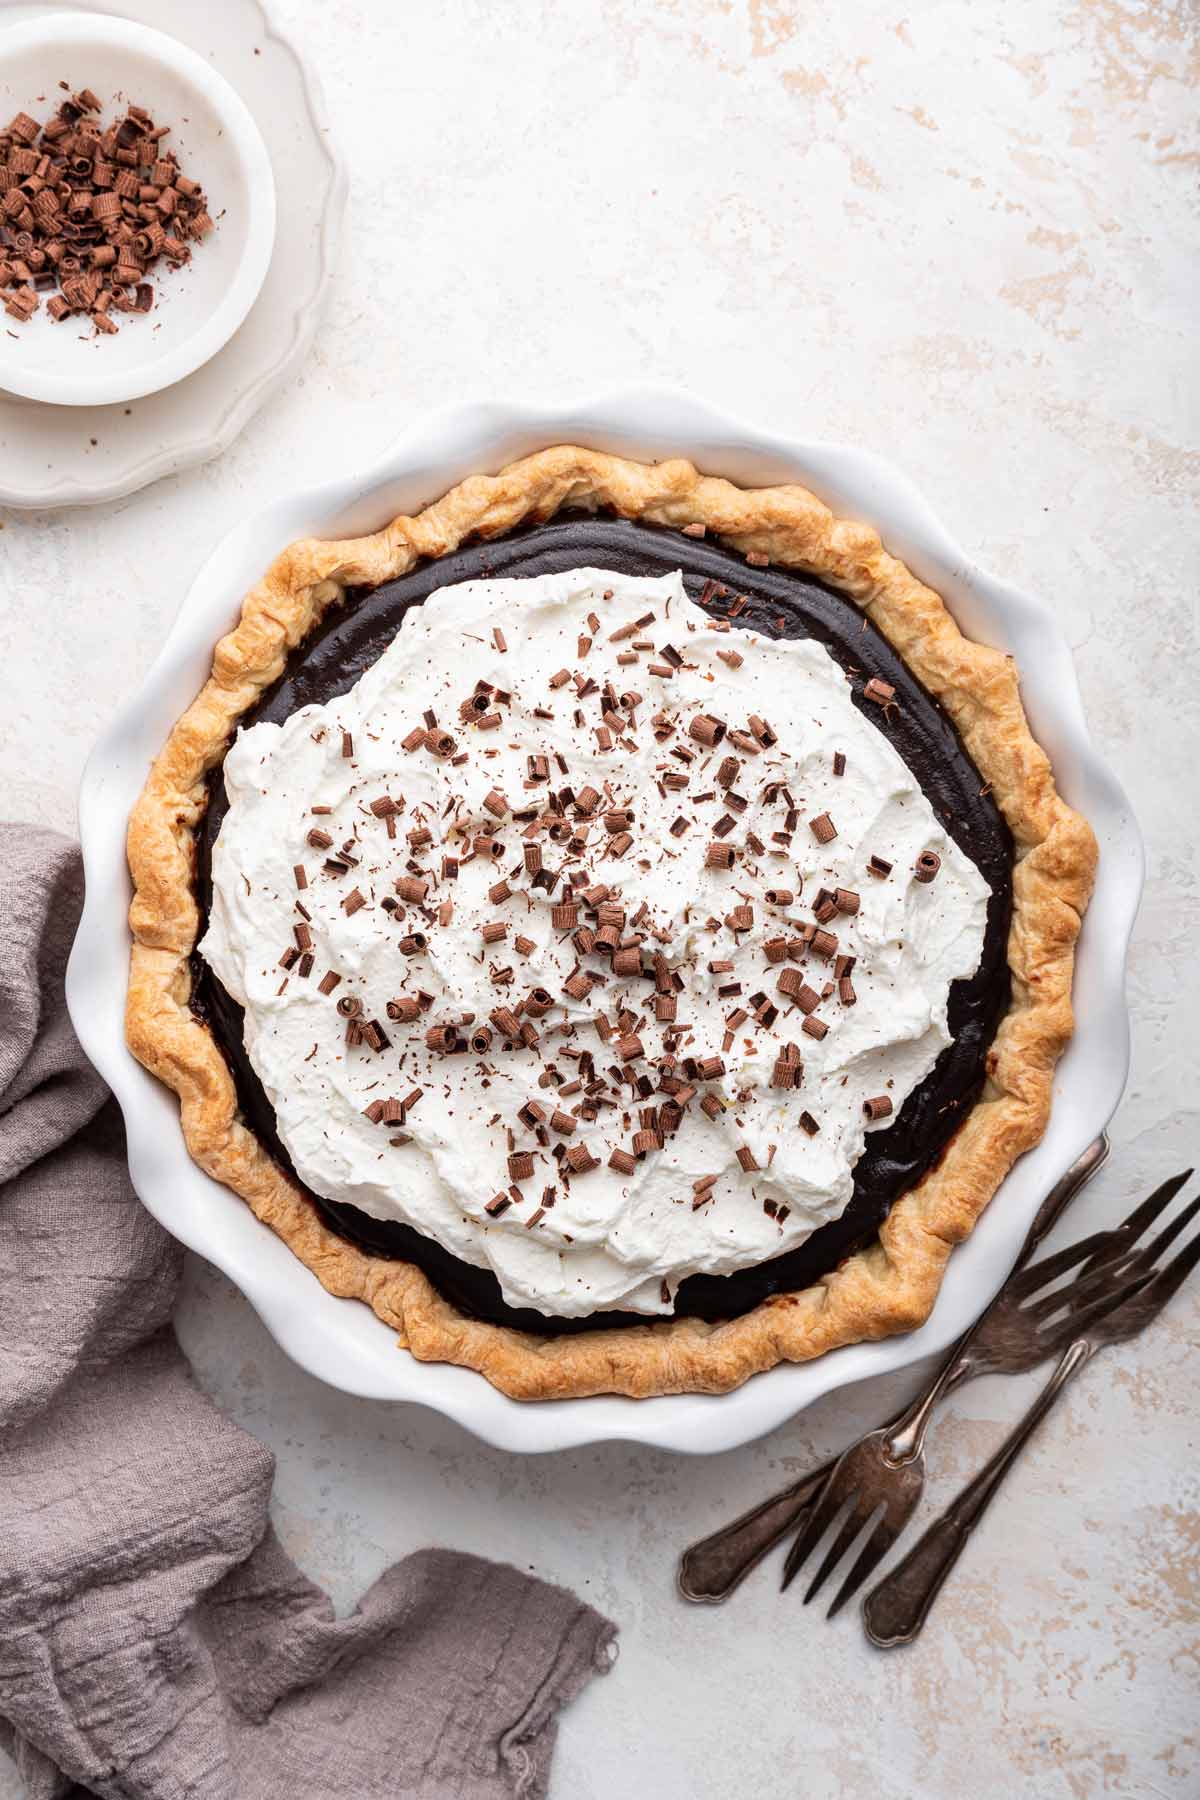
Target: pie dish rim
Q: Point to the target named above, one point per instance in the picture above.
(649, 423)
(888, 1286)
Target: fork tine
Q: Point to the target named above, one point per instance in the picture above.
(877, 1546)
(1101, 1247)
(1168, 1280)
(1131, 1229)
(1077, 1325)
(1049, 1268)
(1105, 1273)
(1088, 1287)
(860, 1513)
(1169, 1233)
(821, 1516)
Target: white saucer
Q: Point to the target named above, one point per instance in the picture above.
(73, 456)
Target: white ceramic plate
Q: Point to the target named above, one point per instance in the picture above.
(197, 308)
(341, 1341)
(55, 456)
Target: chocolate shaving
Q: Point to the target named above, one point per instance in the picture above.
(706, 730)
(89, 211)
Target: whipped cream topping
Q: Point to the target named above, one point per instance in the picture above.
(546, 950)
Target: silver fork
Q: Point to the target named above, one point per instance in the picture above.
(711, 1569)
(897, 1608)
(879, 1480)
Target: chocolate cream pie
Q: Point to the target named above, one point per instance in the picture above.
(611, 922)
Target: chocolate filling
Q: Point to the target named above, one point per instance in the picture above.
(776, 603)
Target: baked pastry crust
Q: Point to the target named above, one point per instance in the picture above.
(886, 1288)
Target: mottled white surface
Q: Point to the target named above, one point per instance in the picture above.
(962, 236)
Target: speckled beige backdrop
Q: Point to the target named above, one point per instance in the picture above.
(962, 235)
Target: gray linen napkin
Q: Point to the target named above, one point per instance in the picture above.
(155, 1640)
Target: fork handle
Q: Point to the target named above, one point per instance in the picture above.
(710, 1570)
(898, 1607)
(1063, 1191)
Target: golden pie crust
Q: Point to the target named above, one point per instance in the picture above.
(887, 1288)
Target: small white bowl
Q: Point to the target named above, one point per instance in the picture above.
(197, 308)
(342, 1341)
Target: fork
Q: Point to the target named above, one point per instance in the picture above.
(897, 1608)
(884, 1473)
(711, 1569)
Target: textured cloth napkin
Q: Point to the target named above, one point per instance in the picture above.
(155, 1640)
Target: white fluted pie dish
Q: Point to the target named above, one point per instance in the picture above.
(341, 1341)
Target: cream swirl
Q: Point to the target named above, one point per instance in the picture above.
(697, 1156)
